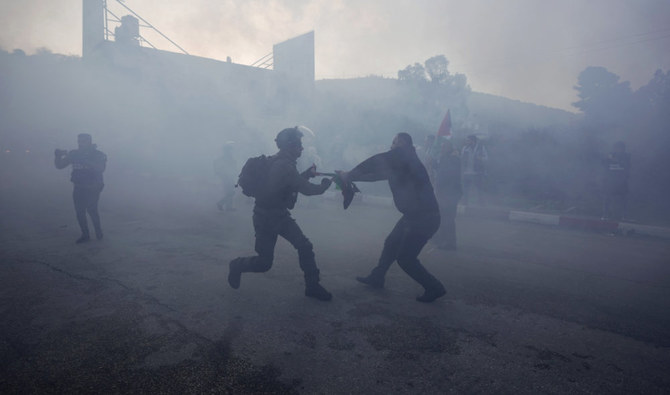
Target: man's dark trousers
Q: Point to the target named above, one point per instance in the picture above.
(404, 243)
(85, 199)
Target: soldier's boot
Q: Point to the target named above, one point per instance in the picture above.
(95, 218)
(83, 238)
(84, 235)
(432, 293)
(83, 225)
(375, 279)
(98, 233)
(314, 290)
(235, 273)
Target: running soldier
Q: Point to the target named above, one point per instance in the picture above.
(272, 218)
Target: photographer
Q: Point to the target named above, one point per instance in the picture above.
(88, 164)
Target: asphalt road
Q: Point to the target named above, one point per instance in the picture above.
(529, 308)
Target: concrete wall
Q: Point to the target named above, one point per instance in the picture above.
(175, 69)
(294, 63)
(291, 80)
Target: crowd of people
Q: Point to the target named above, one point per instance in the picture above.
(426, 182)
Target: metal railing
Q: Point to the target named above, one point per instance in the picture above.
(265, 62)
(116, 19)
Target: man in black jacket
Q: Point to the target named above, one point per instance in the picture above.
(88, 164)
(272, 217)
(413, 196)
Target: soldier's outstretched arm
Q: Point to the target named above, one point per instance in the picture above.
(283, 175)
(309, 189)
(310, 172)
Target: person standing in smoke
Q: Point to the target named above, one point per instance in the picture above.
(224, 167)
(413, 196)
(617, 171)
(448, 190)
(427, 155)
(473, 160)
(425, 152)
(88, 164)
(272, 218)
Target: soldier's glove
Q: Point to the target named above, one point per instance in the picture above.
(325, 183)
(310, 172)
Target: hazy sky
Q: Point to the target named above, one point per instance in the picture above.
(530, 50)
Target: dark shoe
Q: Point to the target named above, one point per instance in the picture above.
(235, 273)
(82, 239)
(430, 295)
(318, 292)
(372, 281)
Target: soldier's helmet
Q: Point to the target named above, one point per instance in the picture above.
(288, 137)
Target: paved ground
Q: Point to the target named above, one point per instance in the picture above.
(529, 309)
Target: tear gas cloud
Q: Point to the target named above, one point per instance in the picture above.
(523, 49)
(168, 121)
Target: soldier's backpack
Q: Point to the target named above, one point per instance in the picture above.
(253, 176)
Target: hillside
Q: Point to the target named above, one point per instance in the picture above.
(483, 108)
(498, 109)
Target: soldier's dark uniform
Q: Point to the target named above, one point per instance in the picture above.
(413, 196)
(272, 218)
(88, 164)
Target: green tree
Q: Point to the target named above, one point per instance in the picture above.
(413, 73)
(431, 89)
(655, 96)
(602, 98)
(437, 69)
